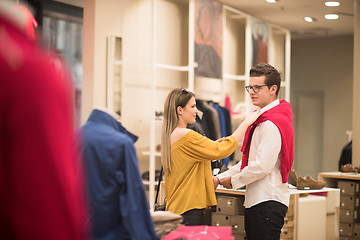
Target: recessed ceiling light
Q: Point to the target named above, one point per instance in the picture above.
(331, 16)
(332, 4)
(309, 19)
(271, 1)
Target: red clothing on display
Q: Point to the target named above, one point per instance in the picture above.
(41, 195)
(201, 232)
(281, 116)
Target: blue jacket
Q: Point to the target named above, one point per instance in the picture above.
(118, 204)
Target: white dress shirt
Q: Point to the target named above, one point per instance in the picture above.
(262, 176)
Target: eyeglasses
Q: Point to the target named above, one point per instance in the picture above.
(184, 90)
(255, 88)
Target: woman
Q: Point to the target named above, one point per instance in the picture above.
(186, 157)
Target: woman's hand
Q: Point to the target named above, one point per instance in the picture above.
(216, 182)
(251, 118)
(219, 140)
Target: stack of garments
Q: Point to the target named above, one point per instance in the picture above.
(165, 222)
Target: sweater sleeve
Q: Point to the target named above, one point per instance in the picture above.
(202, 148)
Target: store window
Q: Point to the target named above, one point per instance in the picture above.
(61, 30)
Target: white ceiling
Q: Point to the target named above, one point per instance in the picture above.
(290, 14)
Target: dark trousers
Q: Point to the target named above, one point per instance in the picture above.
(265, 220)
(193, 217)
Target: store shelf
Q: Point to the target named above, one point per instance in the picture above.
(147, 182)
(147, 153)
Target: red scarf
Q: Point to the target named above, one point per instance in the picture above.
(281, 116)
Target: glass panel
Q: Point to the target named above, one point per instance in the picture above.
(62, 32)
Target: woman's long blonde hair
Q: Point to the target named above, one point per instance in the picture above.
(177, 97)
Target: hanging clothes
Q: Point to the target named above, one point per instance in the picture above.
(207, 119)
(346, 155)
(228, 105)
(197, 126)
(222, 127)
(215, 119)
(228, 131)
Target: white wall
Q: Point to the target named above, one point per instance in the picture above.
(132, 20)
(324, 65)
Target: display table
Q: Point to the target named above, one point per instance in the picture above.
(296, 205)
(306, 205)
(310, 225)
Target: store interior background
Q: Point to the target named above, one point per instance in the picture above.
(321, 80)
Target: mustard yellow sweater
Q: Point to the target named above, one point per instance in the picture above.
(190, 185)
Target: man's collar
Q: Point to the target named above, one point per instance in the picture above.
(270, 105)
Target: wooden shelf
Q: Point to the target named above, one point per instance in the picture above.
(339, 175)
(293, 191)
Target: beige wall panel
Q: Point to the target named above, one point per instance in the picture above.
(278, 43)
(356, 87)
(326, 64)
(172, 32)
(208, 89)
(234, 44)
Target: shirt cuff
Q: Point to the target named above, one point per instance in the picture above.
(236, 183)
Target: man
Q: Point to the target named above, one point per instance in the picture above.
(268, 151)
(118, 204)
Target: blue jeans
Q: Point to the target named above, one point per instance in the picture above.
(265, 220)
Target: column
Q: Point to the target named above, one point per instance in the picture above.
(356, 87)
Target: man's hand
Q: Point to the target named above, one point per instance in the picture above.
(226, 182)
(216, 182)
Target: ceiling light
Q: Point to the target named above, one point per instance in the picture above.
(271, 1)
(332, 4)
(309, 19)
(331, 16)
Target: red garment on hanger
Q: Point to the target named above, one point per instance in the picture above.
(228, 105)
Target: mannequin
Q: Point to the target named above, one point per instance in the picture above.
(108, 111)
(118, 203)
